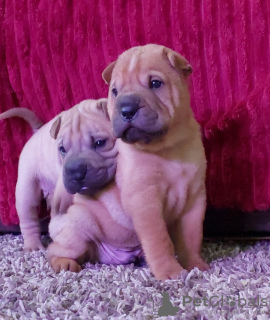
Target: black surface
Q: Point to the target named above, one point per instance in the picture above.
(235, 223)
(217, 224)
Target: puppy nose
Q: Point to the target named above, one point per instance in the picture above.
(76, 171)
(128, 112)
(129, 105)
(79, 175)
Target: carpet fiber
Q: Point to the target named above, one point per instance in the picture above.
(236, 287)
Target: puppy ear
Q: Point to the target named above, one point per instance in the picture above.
(179, 63)
(55, 128)
(102, 106)
(107, 73)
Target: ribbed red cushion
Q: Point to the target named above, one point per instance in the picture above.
(52, 54)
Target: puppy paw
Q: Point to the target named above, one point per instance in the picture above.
(33, 245)
(169, 271)
(197, 263)
(66, 264)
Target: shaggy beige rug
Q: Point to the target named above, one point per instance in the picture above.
(236, 287)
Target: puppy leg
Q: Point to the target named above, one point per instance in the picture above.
(27, 209)
(72, 235)
(61, 200)
(188, 234)
(152, 232)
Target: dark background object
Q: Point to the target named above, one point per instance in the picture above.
(236, 224)
(218, 224)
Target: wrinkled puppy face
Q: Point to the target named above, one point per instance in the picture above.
(86, 147)
(147, 91)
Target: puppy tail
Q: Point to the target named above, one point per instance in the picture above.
(25, 114)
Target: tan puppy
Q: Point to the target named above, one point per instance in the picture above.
(81, 158)
(161, 162)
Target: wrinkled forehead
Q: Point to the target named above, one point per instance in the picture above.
(86, 123)
(81, 133)
(139, 62)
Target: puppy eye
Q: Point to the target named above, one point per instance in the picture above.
(100, 143)
(62, 150)
(114, 92)
(155, 84)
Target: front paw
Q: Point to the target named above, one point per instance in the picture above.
(66, 264)
(197, 263)
(32, 245)
(169, 270)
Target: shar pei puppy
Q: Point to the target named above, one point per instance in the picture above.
(73, 153)
(161, 162)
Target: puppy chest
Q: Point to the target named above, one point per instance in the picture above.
(47, 186)
(181, 179)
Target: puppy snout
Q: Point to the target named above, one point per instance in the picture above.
(128, 106)
(128, 112)
(77, 171)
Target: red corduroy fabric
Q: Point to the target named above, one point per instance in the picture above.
(52, 54)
